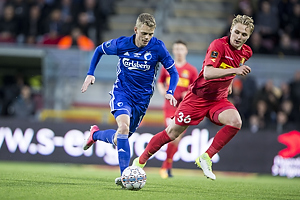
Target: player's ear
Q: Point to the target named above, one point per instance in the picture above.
(135, 30)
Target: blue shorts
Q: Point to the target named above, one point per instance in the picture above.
(120, 103)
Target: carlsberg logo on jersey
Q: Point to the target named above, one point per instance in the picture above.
(130, 64)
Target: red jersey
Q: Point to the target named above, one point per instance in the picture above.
(187, 75)
(220, 54)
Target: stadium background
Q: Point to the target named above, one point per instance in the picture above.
(53, 131)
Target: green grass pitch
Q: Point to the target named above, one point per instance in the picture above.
(20, 180)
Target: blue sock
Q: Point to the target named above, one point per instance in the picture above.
(105, 136)
(123, 151)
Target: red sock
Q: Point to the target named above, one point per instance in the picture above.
(171, 150)
(156, 142)
(221, 139)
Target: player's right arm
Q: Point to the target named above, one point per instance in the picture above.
(211, 72)
(109, 48)
(213, 56)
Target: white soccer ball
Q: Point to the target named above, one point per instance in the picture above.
(133, 178)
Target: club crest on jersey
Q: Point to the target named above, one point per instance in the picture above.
(135, 65)
(148, 56)
(214, 54)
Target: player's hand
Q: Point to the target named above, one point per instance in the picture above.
(172, 100)
(243, 70)
(88, 80)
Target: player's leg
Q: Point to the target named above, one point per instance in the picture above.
(101, 135)
(232, 121)
(188, 113)
(121, 138)
(172, 148)
(222, 113)
(157, 141)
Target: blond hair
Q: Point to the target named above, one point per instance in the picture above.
(245, 20)
(147, 19)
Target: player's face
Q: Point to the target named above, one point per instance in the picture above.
(143, 35)
(239, 35)
(179, 51)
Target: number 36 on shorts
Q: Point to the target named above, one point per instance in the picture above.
(185, 119)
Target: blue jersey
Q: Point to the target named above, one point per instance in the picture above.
(137, 67)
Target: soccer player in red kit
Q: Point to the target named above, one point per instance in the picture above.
(187, 75)
(207, 97)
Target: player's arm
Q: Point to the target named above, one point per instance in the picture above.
(174, 77)
(211, 72)
(90, 78)
(109, 48)
(169, 64)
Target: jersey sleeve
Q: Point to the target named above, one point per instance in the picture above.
(214, 53)
(164, 57)
(108, 48)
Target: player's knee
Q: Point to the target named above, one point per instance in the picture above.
(235, 122)
(123, 129)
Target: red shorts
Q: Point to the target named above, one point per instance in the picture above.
(193, 109)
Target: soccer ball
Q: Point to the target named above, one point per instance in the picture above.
(133, 178)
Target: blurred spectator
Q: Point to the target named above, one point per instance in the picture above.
(256, 44)
(248, 94)
(9, 91)
(51, 38)
(285, 10)
(286, 117)
(23, 106)
(295, 25)
(76, 39)
(285, 46)
(67, 11)
(96, 19)
(21, 13)
(235, 96)
(228, 26)
(8, 25)
(85, 26)
(55, 23)
(270, 95)
(33, 25)
(246, 7)
(285, 92)
(267, 23)
(295, 94)
(261, 116)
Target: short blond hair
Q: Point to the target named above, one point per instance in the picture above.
(147, 19)
(245, 20)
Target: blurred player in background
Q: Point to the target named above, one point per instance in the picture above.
(207, 96)
(187, 75)
(136, 73)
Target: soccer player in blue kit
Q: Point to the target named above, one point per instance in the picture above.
(139, 57)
